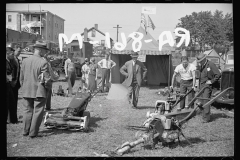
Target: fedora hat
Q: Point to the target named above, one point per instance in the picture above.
(40, 44)
(201, 57)
(134, 54)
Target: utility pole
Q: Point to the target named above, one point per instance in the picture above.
(117, 31)
(40, 22)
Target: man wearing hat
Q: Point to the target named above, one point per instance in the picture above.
(33, 89)
(10, 113)
(187, 82)
(53, 77)
(15, 75)
(209, 76)
(135, 72)
(106, 64)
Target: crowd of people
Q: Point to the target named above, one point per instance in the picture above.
(35, 77)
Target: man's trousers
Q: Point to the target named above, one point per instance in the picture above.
(105, 78)
(71, 81)
(133, 93)
(186, 85)
(11, 109)
(33, 115)
(206, 94)
(48, 99)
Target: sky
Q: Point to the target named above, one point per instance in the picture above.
(127, 15)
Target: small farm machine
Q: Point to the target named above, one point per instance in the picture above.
(165, 124)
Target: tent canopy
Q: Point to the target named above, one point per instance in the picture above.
(148, 48)
(157, 62)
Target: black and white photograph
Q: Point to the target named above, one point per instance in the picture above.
(119, 80)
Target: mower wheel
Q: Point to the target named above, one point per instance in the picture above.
(86, 115)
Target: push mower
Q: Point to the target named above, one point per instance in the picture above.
(164, 128)
(74, 117)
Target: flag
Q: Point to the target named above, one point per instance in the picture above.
(144, 22)
(26, 29)
(150, 23)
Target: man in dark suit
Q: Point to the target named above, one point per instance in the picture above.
(135, 72)
(15, 77)
(209, 76)
(33, 89)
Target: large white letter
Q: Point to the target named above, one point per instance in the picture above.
(122, 45)
(136, 36)
(169, 40)
(65, 39)
(185, 36)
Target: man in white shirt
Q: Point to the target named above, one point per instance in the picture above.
(187, 82)
(106, 64)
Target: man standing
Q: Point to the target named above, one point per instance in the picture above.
(33, 90)
(209, 76)
(15, 77)
(187, 82)
(53, 77)
(11, 116)
(133, 71)
(106, 64)
(70, 72)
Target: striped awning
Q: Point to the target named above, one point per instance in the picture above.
(143, 52)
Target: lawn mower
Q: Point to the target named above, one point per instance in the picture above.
(164, 128)
(74, 117)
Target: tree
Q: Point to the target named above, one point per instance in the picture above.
(207, 29)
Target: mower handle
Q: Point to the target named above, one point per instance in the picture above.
(207, 104)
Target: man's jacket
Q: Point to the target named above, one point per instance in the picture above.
(209, 72)
(126, 70)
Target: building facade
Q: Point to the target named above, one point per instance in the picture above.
(44, 23)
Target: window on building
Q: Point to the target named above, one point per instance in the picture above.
(9, 18)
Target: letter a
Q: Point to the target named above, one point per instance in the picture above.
(185, 36)
(169, 40)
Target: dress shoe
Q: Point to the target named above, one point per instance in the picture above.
(25, 134)
(48, 109)
(134, 107)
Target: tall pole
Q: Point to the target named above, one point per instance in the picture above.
(117, 31)
(40, 22)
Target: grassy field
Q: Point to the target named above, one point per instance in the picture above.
(108, 130)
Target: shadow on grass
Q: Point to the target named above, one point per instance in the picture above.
(219, 115)
(93, 120)
(145, 107)
(184, 143)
